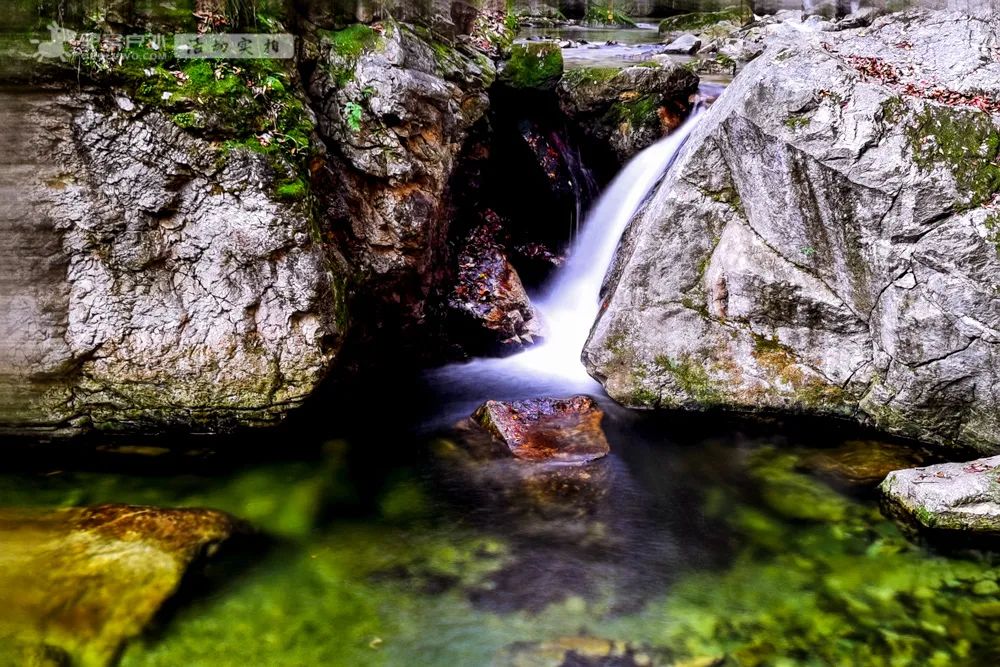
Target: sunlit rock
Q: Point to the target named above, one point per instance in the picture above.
(77, 583)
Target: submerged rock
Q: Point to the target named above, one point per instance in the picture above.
(862, 462)
(835, 253)
(963, 497)
(629, 109)
(79, 582)
(578, 651)
(566, 430)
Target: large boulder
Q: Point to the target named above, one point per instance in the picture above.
(77, 583)
(626, 110)
(396, 105)
(150, 278)
(827, 241)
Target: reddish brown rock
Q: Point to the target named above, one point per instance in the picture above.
(566, 430)
(488, 293)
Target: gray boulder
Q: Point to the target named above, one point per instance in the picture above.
(148, 281)
(826, 242)
(685, 44)
(950, 496)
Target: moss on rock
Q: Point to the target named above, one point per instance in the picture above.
(698, 20)
(964, 140)
(537, 65)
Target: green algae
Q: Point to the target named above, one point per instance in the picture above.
(817, 577)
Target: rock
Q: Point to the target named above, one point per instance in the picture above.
(832, 254)
(535, 66)
(488, 290)
(859, 19)
(547, 429)
(863, 462)
(962, 497)
(580, 651)
(80, 582)
(149, 279)
(463, 15)
(686, 44)
(626, 110)
(396, 106)
(700, 21)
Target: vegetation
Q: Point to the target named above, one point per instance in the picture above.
(607, 15)
(537, 65)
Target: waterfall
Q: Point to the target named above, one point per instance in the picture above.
(570, 304)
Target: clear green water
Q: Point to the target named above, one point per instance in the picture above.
(694, 541)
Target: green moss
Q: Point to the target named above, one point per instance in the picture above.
(292, 191)
(536, 65)
(925, 516)
(353, 41)
(698, 20)
(691, 378)
(582, 76)
(992, 224)
(797, 122)
(965, 141)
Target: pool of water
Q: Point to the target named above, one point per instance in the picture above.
(699, 540)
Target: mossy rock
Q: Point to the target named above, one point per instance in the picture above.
(537, 66)
(699, 20)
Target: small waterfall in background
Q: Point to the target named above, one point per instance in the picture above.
(570, 304)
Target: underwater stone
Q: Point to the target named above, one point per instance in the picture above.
(566, 430)
(81, 581)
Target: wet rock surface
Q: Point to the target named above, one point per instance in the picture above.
(951, 497)
(488, 290)
(626, 110)
(832, 254)
(547, 429)
(77, 583)
(395, 104)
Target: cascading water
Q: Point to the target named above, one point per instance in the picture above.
(570, 304)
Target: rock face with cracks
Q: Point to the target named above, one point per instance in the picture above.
(827, 241)
(151, 280)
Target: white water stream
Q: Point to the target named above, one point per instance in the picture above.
(570, 304)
